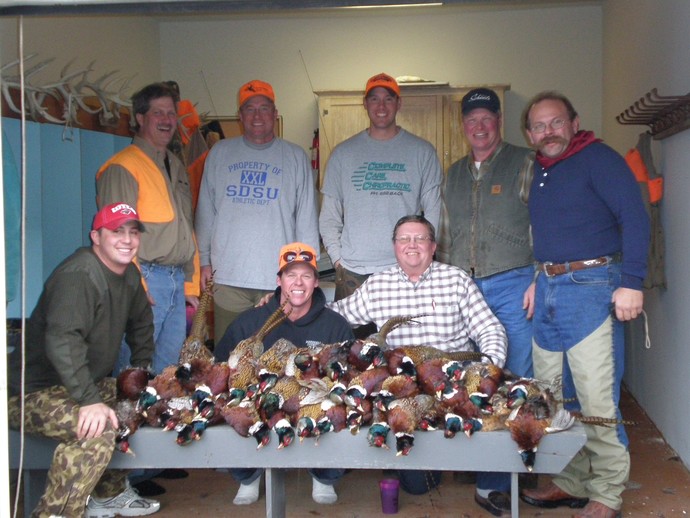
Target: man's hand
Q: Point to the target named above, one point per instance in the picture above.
(628, 303)
(205, 273)
(528, 300)
(93, 420)
(192, 300)
(264, 300)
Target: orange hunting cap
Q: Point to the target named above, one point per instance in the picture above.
(297, 253)
(254, 88)
(383, 80)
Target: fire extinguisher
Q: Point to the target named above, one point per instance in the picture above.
(315, 151)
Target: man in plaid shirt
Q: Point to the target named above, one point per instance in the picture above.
(456, 317)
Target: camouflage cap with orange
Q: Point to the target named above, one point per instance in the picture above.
(383, 80)
(253, 88)
(296, 253)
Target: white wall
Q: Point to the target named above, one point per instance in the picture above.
(531, 49)
(647, 45)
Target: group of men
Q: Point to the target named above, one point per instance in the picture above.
(573, 209)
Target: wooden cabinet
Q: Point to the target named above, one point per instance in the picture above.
(429, 111)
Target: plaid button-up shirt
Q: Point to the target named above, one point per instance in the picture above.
(456, 315)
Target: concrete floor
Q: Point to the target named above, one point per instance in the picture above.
(659, 486)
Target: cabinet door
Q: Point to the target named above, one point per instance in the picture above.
(455, 144)
(343, 116)
(339, 118)
(422, 115)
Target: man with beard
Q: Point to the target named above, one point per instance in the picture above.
(591, 235)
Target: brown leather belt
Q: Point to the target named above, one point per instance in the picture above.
(551, 269)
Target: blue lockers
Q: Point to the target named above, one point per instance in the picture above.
(60, 188)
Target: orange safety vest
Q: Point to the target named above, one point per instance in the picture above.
(153, 203)
(655, 185)
(188, 118)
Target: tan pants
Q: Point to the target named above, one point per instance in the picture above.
(602, 467)
(229, 302)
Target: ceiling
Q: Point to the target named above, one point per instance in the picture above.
(181, 7)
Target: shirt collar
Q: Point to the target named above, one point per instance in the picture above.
(422, 277)
(478, 173)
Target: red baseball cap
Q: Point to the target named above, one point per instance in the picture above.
(297, 253)
(383, 80)
(115, 215)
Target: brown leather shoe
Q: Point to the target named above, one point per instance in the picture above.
(552, 496)
(597, 510)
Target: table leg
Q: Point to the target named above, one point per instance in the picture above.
(514, 495)
(275, 493)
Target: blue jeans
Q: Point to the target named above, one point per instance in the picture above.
(576, 335)
(569, 308)
(503, 293)
(418, 482)
(166, 285)
(325, 476)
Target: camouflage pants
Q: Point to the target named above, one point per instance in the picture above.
(78, 468)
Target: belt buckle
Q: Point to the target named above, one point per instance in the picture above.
(546, 272)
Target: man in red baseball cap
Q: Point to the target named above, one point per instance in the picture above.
(89, 302)
(115, 215)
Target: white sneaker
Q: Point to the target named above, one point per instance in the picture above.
(323, 493)
(248, 493)
(127, 503)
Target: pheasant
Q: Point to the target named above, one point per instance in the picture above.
(194, 346)
(332, 359)
(254, 344)
(245, 420)
(404, 416)
(395, 387)
(277, 357)
(131, 382)
(368, 383)
(390, 325)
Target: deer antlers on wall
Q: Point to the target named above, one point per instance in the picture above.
(60, 101)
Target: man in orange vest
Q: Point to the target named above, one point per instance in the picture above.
(149, 177)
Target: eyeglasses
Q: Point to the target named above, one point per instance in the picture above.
(406, 240)
(540, 127)
(305, 256)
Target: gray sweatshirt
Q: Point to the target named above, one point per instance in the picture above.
(369, 185)
(253, 200)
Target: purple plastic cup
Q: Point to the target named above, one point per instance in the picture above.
(390, 488)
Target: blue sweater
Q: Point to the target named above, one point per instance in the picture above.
(589, 205)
